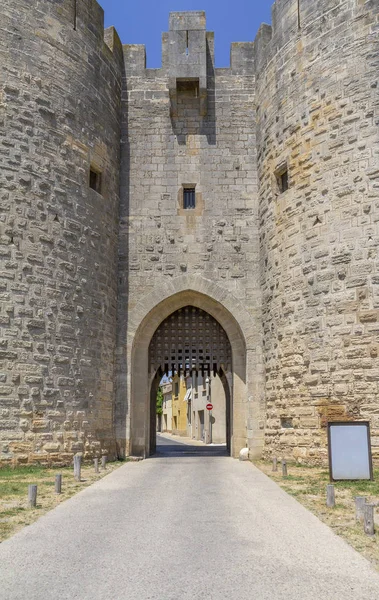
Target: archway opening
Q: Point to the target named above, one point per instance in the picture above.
(141, 371)
(190, 359)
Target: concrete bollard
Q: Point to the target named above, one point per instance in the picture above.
(275, 464)
(360, 501)
(32, 496)
(244, 454)
(77, 466)
(284, 468)
(96, 465)
(104, 461)
(58, 483)
(368, 519)
(330, 496)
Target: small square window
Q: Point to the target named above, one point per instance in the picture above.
(286, 423)
(189, 197)
(95, 180)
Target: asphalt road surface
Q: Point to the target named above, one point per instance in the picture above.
(188, 524)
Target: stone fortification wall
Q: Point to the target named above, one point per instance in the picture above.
(298, 109)
(60, 102)
(205, 138)
(317, 120)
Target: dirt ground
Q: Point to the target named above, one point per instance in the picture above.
(14, 511)
(308, 486)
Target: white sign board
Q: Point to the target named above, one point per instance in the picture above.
(349, 450)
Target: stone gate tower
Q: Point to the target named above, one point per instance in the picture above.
(189, 215)
(229, 215)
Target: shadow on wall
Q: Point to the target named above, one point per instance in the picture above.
(122, 400)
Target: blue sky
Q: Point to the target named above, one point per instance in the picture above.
(143, 21)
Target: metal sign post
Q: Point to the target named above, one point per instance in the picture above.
(209, 407)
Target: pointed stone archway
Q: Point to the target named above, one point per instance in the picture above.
(135, 379)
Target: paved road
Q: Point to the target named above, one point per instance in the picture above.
(190, 524)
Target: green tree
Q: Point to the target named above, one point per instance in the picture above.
(159, 405)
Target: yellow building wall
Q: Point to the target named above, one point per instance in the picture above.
(179, 406)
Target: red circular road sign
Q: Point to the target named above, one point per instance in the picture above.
(209, 406)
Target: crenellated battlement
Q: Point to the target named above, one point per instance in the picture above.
(291, 19)
(85, 17)
(113, 42)
(90, 15)
(71, 26)
(89, 18)
(135, 58)
(242, 58)
(188, 51)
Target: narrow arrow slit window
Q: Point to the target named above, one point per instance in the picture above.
(95, 179)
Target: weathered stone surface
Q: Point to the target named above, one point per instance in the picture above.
(317, 97)
(291, 274)
(58, 242)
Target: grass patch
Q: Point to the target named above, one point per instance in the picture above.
(14, 482)
(13, 489)
(360, 488)
(12, 512)
(7, 473)
(308, 485)
(293, 478)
